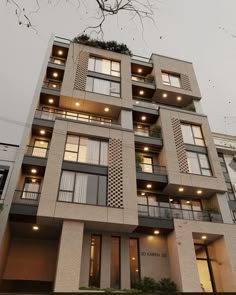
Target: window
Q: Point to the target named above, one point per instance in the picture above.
(198, 164)
(103, 86)
(95, 261)
(86, 150)
(83, 188)
(115, 263)
(147, 165)
(134, 262)
(40, 148)
(192, 134)
(104, 66)
(230, 191)
(3, 178)
(31, 188)
(142, 130)
(171, 80)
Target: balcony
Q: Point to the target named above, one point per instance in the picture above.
(57, 60)
(25, 203)
(144, 135)
(171, 213)
(26, 195)
(34, 151)
(149, 79)
(51, 84)
(149, 173)
(151, 169)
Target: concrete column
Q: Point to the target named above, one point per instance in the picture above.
(198, 106)
(125, 264)
(126, 119)
(224, 208)
(85, 261)
(69, 257)
(106, 262)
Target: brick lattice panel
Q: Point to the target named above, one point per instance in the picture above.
(180, 147)
(81, 71)
(185, 82)
(115, 174)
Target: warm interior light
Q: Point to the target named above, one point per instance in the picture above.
(142, 194)
(139, 127)
(33, 180)
(179, 98)
(164, 95)
(148, 185)
(137, 102)
(77, 104)
(156, 232)
(55, 74)
(54, 85)
(106, 109)
(41, 142)
(133, 258)
(170, 199)
(42, 132)
(141, 92)
(51, 100)
(60, 52)
(146, 148)
(187, 202)
(181, 189)
(35, 227)
(33, 171)
(140, 70)
(199, 192)
(137, 270)
(143, 118)
(204, 237)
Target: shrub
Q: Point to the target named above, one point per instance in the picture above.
(155, 131)
(147, 285)
(167, 285)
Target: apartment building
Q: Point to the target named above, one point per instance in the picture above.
(119, 179)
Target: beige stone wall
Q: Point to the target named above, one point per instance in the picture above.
(31, 259)
(4, 248)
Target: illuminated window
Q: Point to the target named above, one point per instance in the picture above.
(95, 261)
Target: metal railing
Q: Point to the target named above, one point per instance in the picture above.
(26, 195)
(57, 60)
(146, 103)
(150, 168)
(51, 84)
(62, 40)
(145, 131)
(171, 213)
(141, 58)
(36, 151)
(147, 79)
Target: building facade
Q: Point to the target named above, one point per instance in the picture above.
(119, 179)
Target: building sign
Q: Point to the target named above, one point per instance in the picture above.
(153, 254)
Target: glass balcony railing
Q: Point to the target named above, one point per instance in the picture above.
(35, 151)
(146, 131)
(150, 168)
(57, 60)
(171, 213)
(51, 84)
(26, 195)
(144, 79)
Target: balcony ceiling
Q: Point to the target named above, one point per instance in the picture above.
(150, 118)
(55, 50)
(145, 69)
(44, 98)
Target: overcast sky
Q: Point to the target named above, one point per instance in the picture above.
(200, 31)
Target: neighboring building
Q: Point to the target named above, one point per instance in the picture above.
(226, 148)
(120, 179)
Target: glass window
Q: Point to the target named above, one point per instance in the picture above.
(147, 165)
(134, 262)
(103, 86)
(3, 177)
(115, 262)
(95, 261)
(171, 80)
(40, 148)
(198, 163)
(31, 188)
(141, 130)
(192, 134)
(104, 66)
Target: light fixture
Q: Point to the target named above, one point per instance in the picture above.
(181, 189)
(146, 148)
(35, 227)
(55, 74)
(187, 202)
(33, 171)
(139, 127)
(142, 194)
(204, 237)
(42, 132)
(164, 95)
(141, 92)
(106, 109)
(171, 200)
(33, 180)
(133, 258)
(149, 185)
(140, 70)
(143, 118)
(54, 86)
(137, 102)
(77, 104)
(199, 192)
(137, 270)
(41, 142)
(179, 98)
(51, 100)
(60, 52)
(156, 232)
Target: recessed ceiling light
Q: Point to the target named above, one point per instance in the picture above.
(199, 192)
(143, 118)
(179, 98)
(141, 92)
(55, 74)
(204, 237)
(133, 258)
(140, 70)
(54, 85)
(137, 102)
(41, 142)
(187, 202)
(164, 95)
(148, 185)
(170, 199)
(77, 104)
(60, 52)
(146, 148)
(136, 270)
(106, 109)
(33, 180)
(142, 194)
(156, 232)
(181, 189)
(42, 132)
(139, 127)
(33, 171)
(35, 227)
(51, 100)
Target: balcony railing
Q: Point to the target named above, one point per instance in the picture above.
(51, 114)
(145, 131)
(35, 151)
(141, 58)
(57, 60)
(147, 79)
(51, 84)
(171, 213)
(150, 168)
(26, 195)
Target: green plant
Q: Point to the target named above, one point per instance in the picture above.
(211, 208)
(147, 285)
(190, 107)
(1, 207)
(155, 131)
(167, 285)
(149, 78)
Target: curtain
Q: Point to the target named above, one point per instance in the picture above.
(66, 186)
(80, 192)
(93, 151)
(103, 153)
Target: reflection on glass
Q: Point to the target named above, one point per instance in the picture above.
(95, 261)
(40, 148)
(115, 262)
(134, 262)
(204, 276)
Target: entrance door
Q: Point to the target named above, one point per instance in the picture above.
(40, 148)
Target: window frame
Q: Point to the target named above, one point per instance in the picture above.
(4, 172)
(111, 93)
(169, 75)
(199, 164)
(96, 58)
(193, 136)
